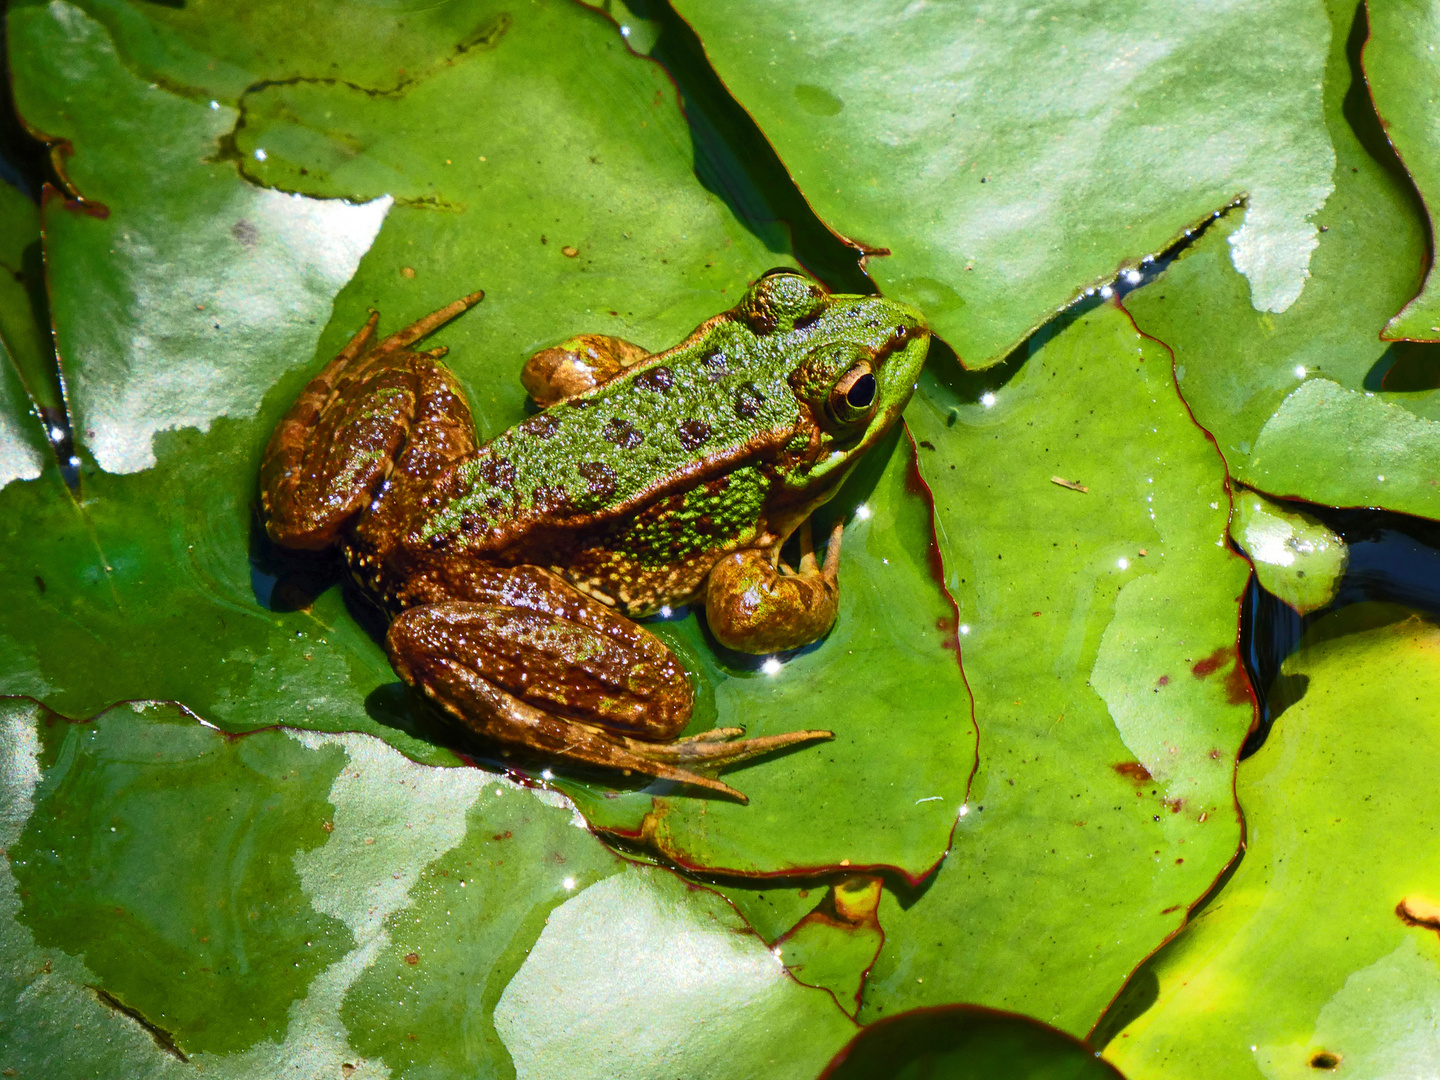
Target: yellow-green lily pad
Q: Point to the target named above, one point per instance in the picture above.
(1320, 954)
(1296, 557)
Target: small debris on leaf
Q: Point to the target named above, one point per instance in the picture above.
(569, 252)
(1073, 485)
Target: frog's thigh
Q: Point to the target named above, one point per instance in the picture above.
(631, 686)
(753, 608)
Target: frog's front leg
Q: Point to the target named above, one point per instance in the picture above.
(576, 365)
(753, 606)
(537, 666)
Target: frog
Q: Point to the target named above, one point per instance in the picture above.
(512, 572)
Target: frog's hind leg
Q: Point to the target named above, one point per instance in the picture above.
(533, 664)
(338, 442)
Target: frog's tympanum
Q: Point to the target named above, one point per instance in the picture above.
(511, 571)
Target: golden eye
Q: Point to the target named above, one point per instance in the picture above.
(853, 396)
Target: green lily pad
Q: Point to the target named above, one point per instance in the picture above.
(1402, 71)
(643, 976)
(1320, 953)
(835, 945)
(987, 148)
(23, 449)
(963, 1042)
(24, 330)
(1296, 557)
(1309, 402)
(307, 877)
(1081, 520)
(214, 958)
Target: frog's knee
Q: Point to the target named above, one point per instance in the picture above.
(579, 364)
(753, 609)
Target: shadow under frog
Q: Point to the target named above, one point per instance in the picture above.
(505, 578)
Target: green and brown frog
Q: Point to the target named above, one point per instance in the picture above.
(512, 571)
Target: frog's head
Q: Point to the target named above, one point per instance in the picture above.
(853, 360)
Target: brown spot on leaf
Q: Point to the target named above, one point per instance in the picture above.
(412, 958)
(569, 252)
(407, 271)
(1324, 1059)
(1237, 685)
(1419, 911)
(1133, 770)
(1211, 663)
(1164, 680)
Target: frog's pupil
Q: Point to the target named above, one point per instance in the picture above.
(861, 392)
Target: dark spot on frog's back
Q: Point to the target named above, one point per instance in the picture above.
(693, 433)
(600, 477)
(748, 401)
(717, 364)
(657, 379)
(541, 427)
(551, 499)
(622, 433)
(498, 472)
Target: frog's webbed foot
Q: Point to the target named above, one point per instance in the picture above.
(580, 688)
(754, 607)
(334, 447)
(579, 364)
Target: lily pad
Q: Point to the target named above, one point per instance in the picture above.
(24, 327)
(963, 1042)
(305, 875)
(835, 945)
(1296, 556)
(1309, 402)
(1008, 157)
(1403, 71)
(1081, 520)
(213, 960)
(1320, 954)
(23, 449)
(643, 976)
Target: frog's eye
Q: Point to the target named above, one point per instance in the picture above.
(782, 297)
(852, 398)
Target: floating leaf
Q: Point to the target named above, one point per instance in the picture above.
(1321, 950)
(1008, 157)
(332, 893)
(643, 977)
(1296, 557)
(1402, 70)
(961, 1042)
(835, 945)
(24, 325)
(1098, 635)
(1309, 402)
